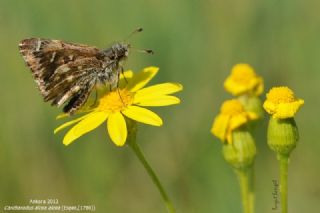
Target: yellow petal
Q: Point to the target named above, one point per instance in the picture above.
(125, 78)
(164, 100)
(69, 123)
(89, 123)
(243, 80)
(84, 109)
(62, 115)
(229, 136)
(140, 79)
(287, 110)
(259, 87)
(237, 121)
(220, 126)
(142, 115)
(252, 115)
(127, 74)
(117, 128)
(270, 107)
(281, 102)
(159, 89)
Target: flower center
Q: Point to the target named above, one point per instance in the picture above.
(116, 101)
(232, 107)
(243, 73)
(281, 95)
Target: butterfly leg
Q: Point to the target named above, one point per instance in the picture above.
(96, 94)
(118, 84)
(124, 77)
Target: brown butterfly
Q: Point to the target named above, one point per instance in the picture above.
(68, 72)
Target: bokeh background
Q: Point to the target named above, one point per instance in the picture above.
(196, 43)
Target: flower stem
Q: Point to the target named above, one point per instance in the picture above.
(243, 177)
(284, 160)
(131, 141)
(153, 176)
(251, 189)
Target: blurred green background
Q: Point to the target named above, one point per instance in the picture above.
(196, 43)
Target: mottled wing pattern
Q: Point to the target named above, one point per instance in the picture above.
(62, 70)
(74, 80)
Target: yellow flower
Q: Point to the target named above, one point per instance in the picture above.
(243, 80)
(282, 103)
(125, 101)
(232, 116)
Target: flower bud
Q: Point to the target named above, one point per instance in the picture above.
(283, 135)
(241, 153)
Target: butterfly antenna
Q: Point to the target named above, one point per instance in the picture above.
(144, 51)
(138, 30)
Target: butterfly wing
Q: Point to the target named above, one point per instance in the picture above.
(62, 70)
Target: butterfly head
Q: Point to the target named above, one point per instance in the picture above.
(121, 50)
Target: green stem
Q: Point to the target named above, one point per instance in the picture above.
(244, 187)
(153, 176)
(131, 141)
(284, 160)
(251, 189)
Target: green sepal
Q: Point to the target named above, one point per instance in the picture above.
(252, 104)
(283, 135)
(241, 153)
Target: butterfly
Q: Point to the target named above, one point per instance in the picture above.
(66, 73)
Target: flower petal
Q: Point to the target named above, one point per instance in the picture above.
(270, 107)
(252, 116)
(163, 100)
(89, 123)
(281, 102)
(62, 115)
(125, 78)
(159, 89)
(69, 123)
(140, 79)
(258, 90)
(127, 74)
(117, 128)
(142, 115)
(220, 126)
(237, 120)
(84, 109)
(288, 110)
(243, 79)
